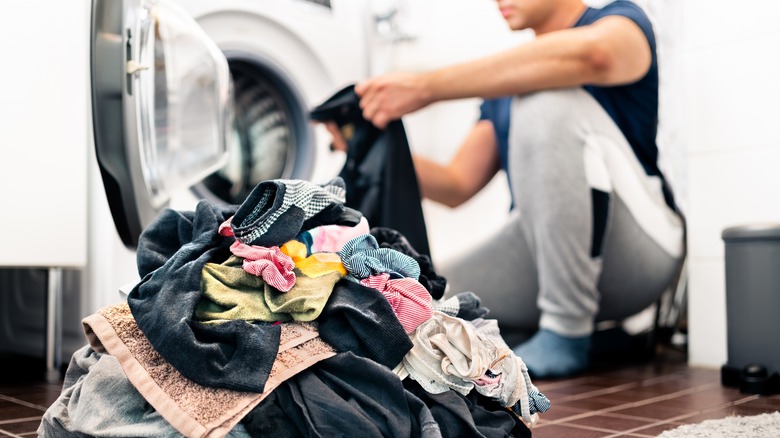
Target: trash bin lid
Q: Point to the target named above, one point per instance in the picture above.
(765, 231)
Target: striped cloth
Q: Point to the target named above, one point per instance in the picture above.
(410, 301)
(274, 266)
(363, 258)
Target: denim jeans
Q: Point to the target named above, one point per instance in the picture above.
(97, 400)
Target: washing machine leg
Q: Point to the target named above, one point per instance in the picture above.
(54, 325)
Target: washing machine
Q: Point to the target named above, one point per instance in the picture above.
(126, 107)
(285, 56)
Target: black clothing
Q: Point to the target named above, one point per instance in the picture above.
(379, 172)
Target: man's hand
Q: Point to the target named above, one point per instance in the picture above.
(388, 97)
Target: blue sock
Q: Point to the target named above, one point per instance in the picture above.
(549, 355)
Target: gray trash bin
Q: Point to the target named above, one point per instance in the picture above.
(753, 308)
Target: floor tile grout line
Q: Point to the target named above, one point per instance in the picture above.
(634, 404)
(585, 380)
(635, 417)
(659, 379)
(627, 417)
(19, 420)
(693, 414)
(593, 428)
(22, 402)
(661, 422)
(618, 388)
(12, 435)
(551, 386)
(582, 426)
(547, 386)
(746, 399)
(596, 392)
(622, 434)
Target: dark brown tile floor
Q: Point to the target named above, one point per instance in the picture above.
(642, 399)
(628, 400)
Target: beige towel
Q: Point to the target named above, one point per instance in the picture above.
(195, 410)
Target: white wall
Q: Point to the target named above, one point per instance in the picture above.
(449, 31)
(730, 92)
(718, 138)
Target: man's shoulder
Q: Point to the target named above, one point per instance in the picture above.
(625, 8)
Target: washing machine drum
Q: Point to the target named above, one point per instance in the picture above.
(271, 135)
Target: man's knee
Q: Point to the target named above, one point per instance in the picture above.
(548, 128)
(557, 108)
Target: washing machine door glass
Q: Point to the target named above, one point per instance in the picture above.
(271, 137)
(162, 106)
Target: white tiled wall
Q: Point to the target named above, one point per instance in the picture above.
(729, 187)
(706, 311)
(717, 22)
(719, 137)
(450, 31)
(730, 97)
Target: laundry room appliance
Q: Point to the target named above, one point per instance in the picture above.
(286, 56)
(80, 204)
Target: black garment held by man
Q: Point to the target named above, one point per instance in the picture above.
(379, 173)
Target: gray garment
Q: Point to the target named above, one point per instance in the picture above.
(97, 400)
(538, 270)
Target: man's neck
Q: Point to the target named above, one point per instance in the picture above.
(563, 17)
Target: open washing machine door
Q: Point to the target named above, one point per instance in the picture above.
(162, 107)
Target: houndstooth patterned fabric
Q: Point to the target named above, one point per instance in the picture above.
(466, 305)
(450, 306)
(311, 198)
(531, 402)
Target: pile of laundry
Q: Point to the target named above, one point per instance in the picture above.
(289, 315)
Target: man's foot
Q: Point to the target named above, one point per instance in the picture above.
(550, 355)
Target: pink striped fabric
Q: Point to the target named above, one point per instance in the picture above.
(274, 266)
(410, 301)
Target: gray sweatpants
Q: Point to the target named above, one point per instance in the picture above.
(591, 237)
